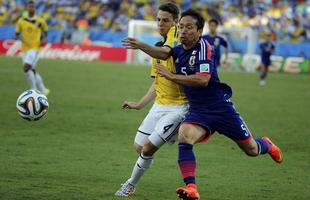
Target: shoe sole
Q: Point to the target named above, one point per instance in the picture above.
(184, 196)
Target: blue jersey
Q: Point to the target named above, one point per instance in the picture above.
(199, 60)
(266, 50)
(216, 42)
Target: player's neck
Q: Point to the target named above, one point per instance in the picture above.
(191, 45)
(212, 34)
(31, 15)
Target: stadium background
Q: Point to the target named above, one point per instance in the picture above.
(104, 23)
(83, 148)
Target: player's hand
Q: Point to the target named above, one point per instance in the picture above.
(131, 43)
(163, 71)
(131, 105)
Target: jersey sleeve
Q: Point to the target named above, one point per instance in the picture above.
(44, 26)
(171, 40)
(224, 42)
(205, 68)
(18, 26)
(205, 64)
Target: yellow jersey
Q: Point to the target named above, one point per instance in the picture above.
(168, 92)
(31, 29)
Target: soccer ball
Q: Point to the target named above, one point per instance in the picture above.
(32, 105)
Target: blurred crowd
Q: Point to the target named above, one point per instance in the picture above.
(286, 20)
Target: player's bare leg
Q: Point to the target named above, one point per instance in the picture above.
(261, 146)
(138, 148)
(249, 147)
(263, 75)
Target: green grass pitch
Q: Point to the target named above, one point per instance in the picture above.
(83, 149)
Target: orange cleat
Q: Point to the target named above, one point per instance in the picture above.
(274, 151)
(188, 193)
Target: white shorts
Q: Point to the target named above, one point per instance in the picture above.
(161, 124)
(31, 57)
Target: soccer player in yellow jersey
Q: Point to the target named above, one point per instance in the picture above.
(31, 28)
(170, 106)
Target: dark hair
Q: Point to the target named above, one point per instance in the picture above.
(213, 21)
(170, 8)
(194, 14)
(30, 2)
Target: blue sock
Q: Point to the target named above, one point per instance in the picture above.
(187, 163)
(263, 146)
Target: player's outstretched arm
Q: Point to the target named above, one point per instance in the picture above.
(195, 80)
(162, 53)
(149, 96)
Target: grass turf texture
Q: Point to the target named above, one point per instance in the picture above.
(83, 149)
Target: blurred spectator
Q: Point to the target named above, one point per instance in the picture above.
(287, 20)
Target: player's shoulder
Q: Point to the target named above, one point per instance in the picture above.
(206, 37)
(20, 19)
(220, 37)
(178, 48)
(39, 18)
(203, 42)
(264, 43)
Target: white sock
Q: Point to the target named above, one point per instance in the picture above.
(262, 82)
(142, 165)
(31, 79)
(40, 83)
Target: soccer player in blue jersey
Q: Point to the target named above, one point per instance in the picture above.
(216, 42)
(267, 48)
(210, 106)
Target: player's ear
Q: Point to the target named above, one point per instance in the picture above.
(176, 21)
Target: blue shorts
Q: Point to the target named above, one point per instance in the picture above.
(228, 123)
(266, 63)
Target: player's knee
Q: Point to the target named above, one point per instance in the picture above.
(27, 67)
(138, 148)
(149, 149)
(183, 137)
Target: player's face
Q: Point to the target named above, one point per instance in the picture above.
(31, 9)
(212, 27)
(164, 22)
(188, 31)
(269, 37)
